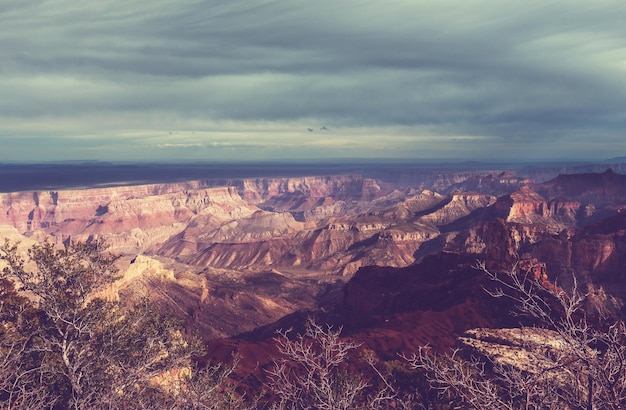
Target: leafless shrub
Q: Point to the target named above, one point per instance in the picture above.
(210, 388)
(313, 373)
(18, 383)
(576, 365)
(478, 383)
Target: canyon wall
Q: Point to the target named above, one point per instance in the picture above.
(326, 228)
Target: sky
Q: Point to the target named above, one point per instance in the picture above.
(137, 80)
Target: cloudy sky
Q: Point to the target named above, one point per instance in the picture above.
(289, 79)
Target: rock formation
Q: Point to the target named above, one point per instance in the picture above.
(313, 228)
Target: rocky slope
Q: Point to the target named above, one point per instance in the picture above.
(297, 233)
(333, 237)
(391, 264)
(394, 310)
(212, 254)
(130, 218)
(213, 303)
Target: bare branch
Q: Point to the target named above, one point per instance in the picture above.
(565, 363)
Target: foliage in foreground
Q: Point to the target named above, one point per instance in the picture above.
(575, 365)
(63, 347)
(313, 372)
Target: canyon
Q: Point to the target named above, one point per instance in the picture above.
(390, 260)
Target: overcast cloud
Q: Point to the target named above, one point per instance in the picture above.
(243, 79)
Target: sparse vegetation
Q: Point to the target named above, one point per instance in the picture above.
(315, 371)
(566, 362)
(63, 347)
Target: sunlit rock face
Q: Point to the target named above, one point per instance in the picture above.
(131, 219)
(330, 223)
(309, 232)
(325, 224)
(527, 207)
(456, 207)
(333, 237)
(529, 349)
(214, 303)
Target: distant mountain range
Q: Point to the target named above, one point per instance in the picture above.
(87, 174)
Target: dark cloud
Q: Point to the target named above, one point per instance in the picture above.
(421, 74)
